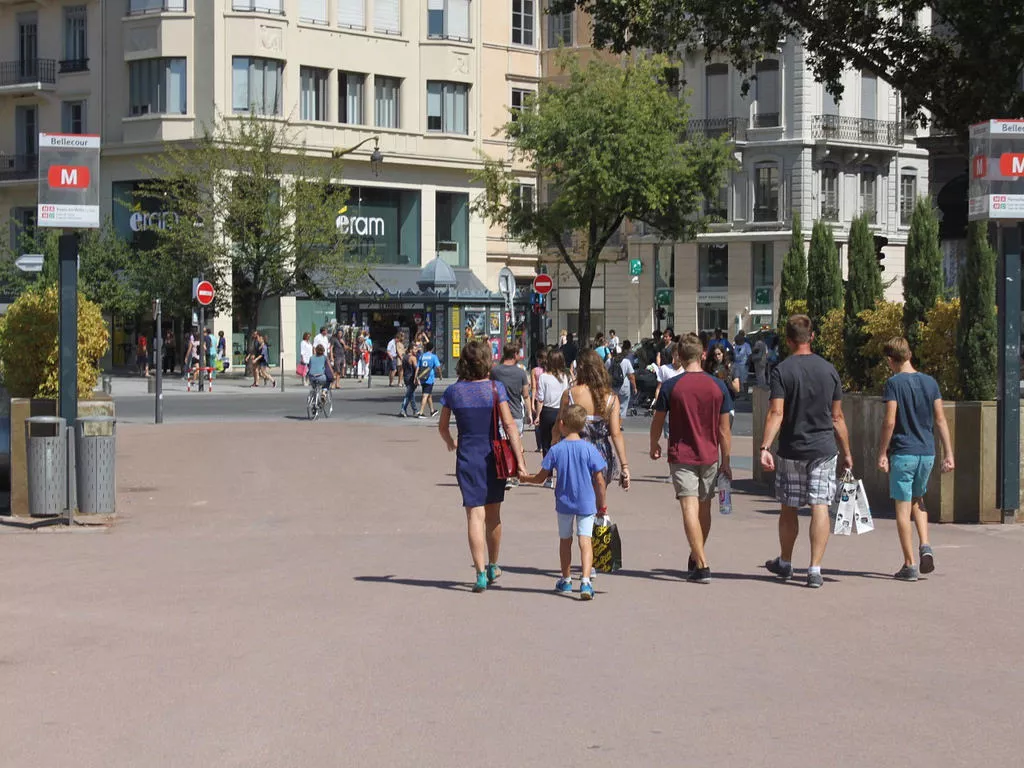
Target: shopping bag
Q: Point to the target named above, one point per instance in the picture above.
(607, 545)
(844, 509)
(864, 522)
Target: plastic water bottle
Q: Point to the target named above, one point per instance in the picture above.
(724, 495)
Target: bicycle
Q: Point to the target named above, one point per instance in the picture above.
(319, 403)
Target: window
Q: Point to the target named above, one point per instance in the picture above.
(350, 98)
(157, 86)
(830, 193)
(524, 197)
(868, 95)
(868, 183)
(256, 85)
(451, 227)
(830, 105)
(23, 227)
(312, 93)
(447, 107)
(766, 193)
(520, 100)
(259, 6)
(72, 117)
(718, 207)
(386, 92)
(908, 197)
(764, 267)
(352, 14)
(448, 19)
(713, 267)
(313, 11)
(769, 98)
(716, 89)
(76, 56)
(522, 22)
(155, 6)
(387, 17)
(559, 29)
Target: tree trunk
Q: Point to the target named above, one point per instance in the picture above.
(586, 282)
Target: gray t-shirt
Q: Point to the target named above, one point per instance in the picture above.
(514, 378)
(627, 371)
(808, 385)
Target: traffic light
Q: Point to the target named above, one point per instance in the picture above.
(880, 243)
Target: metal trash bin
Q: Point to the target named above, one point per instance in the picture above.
(95, 451)
(47, 465)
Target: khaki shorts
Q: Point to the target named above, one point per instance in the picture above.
(691, 480)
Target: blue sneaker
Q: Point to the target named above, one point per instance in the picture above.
(586, 592)
(563, 586)
(493, 573)
(481, 582)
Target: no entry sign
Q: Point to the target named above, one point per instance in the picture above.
(543, 284)
(204, 292)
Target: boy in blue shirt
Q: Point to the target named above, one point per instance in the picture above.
(427, 366)
(913, 411)
(579, 495)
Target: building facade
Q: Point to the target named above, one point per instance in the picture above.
(431, 81)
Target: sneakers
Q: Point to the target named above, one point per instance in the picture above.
(691, 565)
(493, 573)
(563, 586)
(906, 573)
(549, 483)
(814, 580)
(481, 582)
(783, 572)
(586, 592)
(700, 576)
(403, 415)
(420, 415)
(927, 559)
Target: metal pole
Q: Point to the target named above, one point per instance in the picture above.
(67, 250)
(1008, 301)
(282, 373)
(71, 475)
(158, 345)
(202, 345)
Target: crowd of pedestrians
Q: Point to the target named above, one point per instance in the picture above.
(576, 398)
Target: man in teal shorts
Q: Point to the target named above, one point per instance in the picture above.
(913, 410)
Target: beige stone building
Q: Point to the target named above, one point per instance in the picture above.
(430, 80)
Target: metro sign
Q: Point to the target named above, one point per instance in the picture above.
(979, 167)
(1011, 164)
(68, 176)
(68, 191)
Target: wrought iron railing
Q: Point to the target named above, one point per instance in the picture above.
(713, 127)
(829, 211)
(27, 71)
(68, 66)
(766, 213)
(860, 130)
(767, 120)
(141, 7)
(18, 167)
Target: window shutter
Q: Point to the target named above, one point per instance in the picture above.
(352, 14)
(313, 10)
(387, 16)
(457, 21)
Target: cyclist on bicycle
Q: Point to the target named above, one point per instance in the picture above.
(318, 367)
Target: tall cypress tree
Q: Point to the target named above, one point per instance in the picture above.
(824, 281)
(923, 281)
(794, 273)
(977, 336)
(863, 290)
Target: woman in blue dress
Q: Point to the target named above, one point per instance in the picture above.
(472, 399)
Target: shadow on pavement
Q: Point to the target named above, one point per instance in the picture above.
(454, 586)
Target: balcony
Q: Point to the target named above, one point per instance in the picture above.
(767, 120)
(70, 66)
(857, 130)
(712, 128)
(19, 167)
(830, 208)
(28, 75)
(142, 7)
(766, 213)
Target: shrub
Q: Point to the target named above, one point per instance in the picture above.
(793, 285)
(923, 282)
(977, 334)
(29, 344)
(936, 348)
(879, 325)
(830, 342)
(824, 281)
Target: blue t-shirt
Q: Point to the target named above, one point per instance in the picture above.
(915, 395)
(575, 461)
(317, 365)
(602, 352)
(431, 361)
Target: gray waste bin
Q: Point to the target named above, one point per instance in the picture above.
(94, 456)
(47, 464)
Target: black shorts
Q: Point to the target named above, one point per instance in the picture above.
(428, 389)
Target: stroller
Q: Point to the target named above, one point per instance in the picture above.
(643, 398)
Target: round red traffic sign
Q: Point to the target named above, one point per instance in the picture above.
(204, 292)
(543, 284)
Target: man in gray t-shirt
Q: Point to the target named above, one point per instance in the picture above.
(517, 382)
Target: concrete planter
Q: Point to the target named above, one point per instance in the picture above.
(23, 408)
(966, 495)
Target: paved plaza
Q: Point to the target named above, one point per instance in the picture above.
(286, 593)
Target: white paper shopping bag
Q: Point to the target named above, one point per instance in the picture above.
(864, 521)
(844, 510)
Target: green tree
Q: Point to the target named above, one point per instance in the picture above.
(609, 141)
(794, 274)
(977, 335)
(923, 282)
(824, 281)
(945, 67)
(863, 292)
(251, 203)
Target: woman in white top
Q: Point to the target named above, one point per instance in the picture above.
(305, 355)
(552, 385)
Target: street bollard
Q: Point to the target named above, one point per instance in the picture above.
(282, 373)
(47, 465)
(95, 464)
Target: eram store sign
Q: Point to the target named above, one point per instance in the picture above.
(364, 226)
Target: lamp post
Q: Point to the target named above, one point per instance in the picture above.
(376, 157)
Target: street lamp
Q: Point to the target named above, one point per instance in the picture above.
(376, 157)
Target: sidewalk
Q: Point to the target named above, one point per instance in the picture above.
(296, 594)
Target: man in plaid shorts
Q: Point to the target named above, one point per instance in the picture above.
(806, 413)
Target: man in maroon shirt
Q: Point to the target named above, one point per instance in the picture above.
(698, 406)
